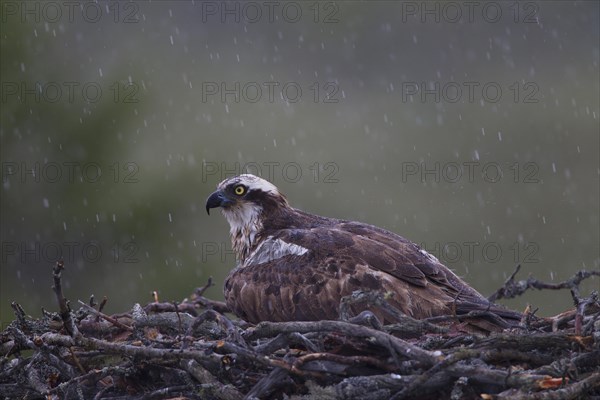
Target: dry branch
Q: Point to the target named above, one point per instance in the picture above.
(512, 289)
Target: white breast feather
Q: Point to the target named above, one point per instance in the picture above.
(272, 249)
(244, 224)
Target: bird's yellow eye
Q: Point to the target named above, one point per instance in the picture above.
(239, 190)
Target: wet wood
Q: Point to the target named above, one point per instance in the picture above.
(196, 350)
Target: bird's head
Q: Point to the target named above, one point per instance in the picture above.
(244, 200)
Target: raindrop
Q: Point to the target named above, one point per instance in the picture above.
(480, 201)
(477, 155)
(46, 203)
(170, 218)
(554, 167)
(499, 136)
(100, 72)
(171, 37)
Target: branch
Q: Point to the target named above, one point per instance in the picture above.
(181, 349)
(63, 304)
(512, 289)
(396, 346)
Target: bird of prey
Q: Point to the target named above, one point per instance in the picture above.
(296, 266)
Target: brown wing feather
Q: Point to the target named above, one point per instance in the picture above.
(412, 254)
(283, 290)
(336, 241)
(343, 257)
(382, 250)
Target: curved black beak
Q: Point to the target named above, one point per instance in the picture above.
(217, 199)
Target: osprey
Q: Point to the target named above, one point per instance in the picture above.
(296, 266)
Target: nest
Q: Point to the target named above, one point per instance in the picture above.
(193, 350)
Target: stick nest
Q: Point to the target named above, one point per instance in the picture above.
(193, 350)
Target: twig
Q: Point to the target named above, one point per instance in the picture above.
(110, 319)
(230, 328)
(63, 304)
(581, 306)
(512, 289)
(200, 290)
(498, 294)
(266, 386)
(102, 303)
(395, 345)
(572, 391)
(202, 375)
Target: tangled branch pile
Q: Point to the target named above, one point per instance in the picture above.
(191, 350)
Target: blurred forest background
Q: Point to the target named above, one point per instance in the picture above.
(472, 130)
